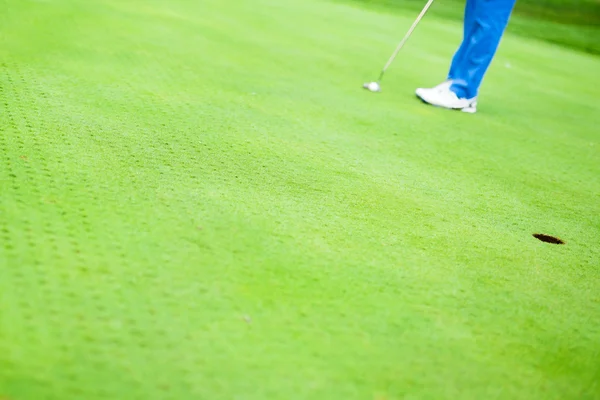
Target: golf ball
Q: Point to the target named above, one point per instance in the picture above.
(374, 87)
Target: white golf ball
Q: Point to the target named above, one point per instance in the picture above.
(374, 87)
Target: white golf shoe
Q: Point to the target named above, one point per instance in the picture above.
(442, 96)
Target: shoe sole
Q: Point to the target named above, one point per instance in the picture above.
(468, 110)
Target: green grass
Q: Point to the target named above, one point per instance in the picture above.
(570, 23)
(198, 201)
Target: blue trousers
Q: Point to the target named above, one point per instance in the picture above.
(484, 25)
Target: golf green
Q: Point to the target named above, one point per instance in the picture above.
(199, 201)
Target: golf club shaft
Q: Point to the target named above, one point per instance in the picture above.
(403, 41)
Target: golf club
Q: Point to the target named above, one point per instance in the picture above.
(376, 85)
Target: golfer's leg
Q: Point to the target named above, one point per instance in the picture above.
(468, 26)
(490, 21)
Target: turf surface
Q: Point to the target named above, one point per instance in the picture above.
(198, 201)
(570, 23)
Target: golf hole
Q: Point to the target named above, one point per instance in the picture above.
(548, 238)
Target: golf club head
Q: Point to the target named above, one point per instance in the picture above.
(372, 87)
